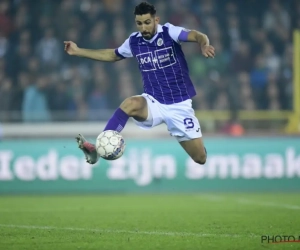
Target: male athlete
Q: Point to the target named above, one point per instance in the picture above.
(168, 88)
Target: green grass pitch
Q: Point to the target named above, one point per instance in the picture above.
(137, 222)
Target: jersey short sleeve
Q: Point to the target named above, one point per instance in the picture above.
(124, 50)
(177, 33)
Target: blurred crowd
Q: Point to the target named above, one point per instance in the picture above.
(40, 82)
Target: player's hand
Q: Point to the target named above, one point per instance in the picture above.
(71, 47)
(208, 51)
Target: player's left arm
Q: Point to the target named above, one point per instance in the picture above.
(180, 34)
(202, 40)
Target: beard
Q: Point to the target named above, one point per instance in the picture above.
(149, 35)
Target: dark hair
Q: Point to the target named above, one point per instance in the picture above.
(145, 8)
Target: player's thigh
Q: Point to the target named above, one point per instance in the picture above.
(136, 107)
(154, 116)
(185, 127)
(195, 149)
(181, 121)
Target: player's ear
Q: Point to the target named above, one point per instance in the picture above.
(156, 19)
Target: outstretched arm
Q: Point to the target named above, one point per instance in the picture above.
(105, 55)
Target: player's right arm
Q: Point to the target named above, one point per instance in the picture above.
(105, 55)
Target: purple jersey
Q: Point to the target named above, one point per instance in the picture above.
(162, 64)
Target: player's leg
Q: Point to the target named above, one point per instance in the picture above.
(185, 127)
(195, 150)
(154, 116)
(135, 106)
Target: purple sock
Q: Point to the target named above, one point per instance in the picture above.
(117, 121)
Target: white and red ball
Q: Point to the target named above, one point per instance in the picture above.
(110, 145)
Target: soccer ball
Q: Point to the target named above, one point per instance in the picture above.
(110, 145)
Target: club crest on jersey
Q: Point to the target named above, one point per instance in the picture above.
(160, 42)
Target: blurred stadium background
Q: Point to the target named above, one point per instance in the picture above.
(248, 104)
(249, 82)
(248, 99)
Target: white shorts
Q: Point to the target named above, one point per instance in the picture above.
(179, 117)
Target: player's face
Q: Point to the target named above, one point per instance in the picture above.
(146, 24)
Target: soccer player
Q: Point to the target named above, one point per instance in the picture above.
(168, 88)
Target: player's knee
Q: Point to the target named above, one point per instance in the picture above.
(200, 158)
(131, 105)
